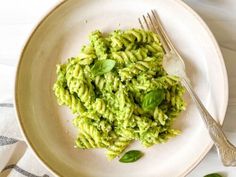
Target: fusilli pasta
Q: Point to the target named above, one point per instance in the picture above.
(120, 92)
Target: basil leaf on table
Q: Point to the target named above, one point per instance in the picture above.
(152, 99)
(213, 175)
(102, 66)
(131, 156)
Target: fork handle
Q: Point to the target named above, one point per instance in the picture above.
(225, 149)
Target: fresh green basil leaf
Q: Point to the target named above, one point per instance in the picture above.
(213, 175)
(152, 99)
(102, 66)
(131, 156)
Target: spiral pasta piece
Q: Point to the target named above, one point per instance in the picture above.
(160, 116)
(154, 49)
(101, 108)
(129, 37)
(132, 56)
(87, 55)
(100, 44)
(63, 95)
(82, 89)
(85, 141)
(118, 147)
(74, 70)
(140, 36)
(89, 130)
(65, 98)
(108, 82)
(134, 69)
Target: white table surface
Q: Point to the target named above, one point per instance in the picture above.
(18, 17)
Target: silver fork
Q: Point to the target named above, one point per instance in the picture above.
(174, 65)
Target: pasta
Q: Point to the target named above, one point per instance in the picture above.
(119, 92)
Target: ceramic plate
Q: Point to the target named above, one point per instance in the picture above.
(47, 126)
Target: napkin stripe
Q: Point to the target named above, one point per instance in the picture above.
(6, 105)
(22, 171)
(6, 141)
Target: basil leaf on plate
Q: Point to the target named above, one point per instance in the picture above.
(131, 156)
(213, 175)
(152, 99)
(102, 66)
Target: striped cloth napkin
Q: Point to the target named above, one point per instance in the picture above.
(16, 159)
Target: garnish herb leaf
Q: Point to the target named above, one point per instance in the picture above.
(213, 175)
(152, 99)
(131, 156)
(102, 66)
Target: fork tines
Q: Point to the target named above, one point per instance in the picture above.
(152, 22)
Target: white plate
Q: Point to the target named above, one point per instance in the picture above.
(47, 126)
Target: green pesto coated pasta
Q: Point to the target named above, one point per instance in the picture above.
(107, 99)
(118, 146)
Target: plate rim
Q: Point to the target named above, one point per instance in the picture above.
(52, 10)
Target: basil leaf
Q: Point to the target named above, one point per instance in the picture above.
(213, 175)
(102, 66)
(152, 99)
(131, 156)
